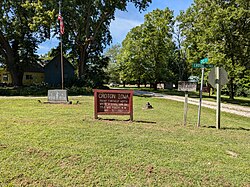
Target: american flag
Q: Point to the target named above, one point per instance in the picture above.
(60, 18)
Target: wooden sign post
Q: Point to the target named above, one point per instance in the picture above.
(186, 87)
(113, 102)
(218, 77)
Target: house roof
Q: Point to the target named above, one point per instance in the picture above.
(34, 67)
(58, 58)
(30, 67)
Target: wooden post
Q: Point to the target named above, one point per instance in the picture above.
(131, 107)
(218, 97)
(185, 108)
(95, 105)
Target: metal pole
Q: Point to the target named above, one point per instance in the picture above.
(62, 65)
(62, 71)
(199, 109)
(218, 97)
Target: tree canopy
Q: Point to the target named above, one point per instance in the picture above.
(219, 30)
(147, 53)
(23, 24)
(87, 27)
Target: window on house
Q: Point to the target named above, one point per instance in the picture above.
(5, 77)
(29, 77)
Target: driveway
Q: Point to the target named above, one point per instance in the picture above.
(230, 108)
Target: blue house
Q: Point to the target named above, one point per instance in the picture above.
(52, 71)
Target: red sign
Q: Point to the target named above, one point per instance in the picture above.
(113, 102)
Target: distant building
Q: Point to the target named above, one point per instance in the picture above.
(52, 70)
(5, 77)
(33, 74)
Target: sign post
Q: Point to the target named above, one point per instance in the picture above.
(186, 87)
(199, 109)
(203, 64)
(185, 108)
(217, 78)
(218, 97)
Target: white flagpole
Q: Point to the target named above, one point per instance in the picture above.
(62, 73)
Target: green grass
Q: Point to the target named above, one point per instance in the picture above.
(62, 145)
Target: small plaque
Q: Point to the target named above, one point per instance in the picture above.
(57, 96)
(186, 86)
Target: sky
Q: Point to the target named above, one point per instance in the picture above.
(125, 21)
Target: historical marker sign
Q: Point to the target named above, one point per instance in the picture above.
(186, 86)
(113, 102)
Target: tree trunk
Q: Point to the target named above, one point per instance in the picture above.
(17, 77)
(231, 94)
(139, 83)
(82, 62)
(155, 85)
(12, 60)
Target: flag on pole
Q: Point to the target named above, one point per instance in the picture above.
(60, 18)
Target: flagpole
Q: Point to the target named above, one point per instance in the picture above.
(62, 72)
(62, 64)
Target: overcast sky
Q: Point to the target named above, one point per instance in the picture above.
(124, 21)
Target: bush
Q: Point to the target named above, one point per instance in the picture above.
(74, 90)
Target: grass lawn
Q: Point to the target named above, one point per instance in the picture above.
(62, 145)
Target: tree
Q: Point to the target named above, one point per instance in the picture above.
(113, 69)
(23, 24)
(219, 30)
(181, 63)
(148, 50)
(87, 27)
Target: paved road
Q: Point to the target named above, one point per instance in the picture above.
(230, 108)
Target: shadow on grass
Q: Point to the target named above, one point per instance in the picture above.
(145, 96)
(127, 120)
(230, 128)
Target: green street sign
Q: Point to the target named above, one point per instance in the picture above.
(195, 65)
(204, 61)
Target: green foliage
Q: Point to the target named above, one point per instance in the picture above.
(113, 67)
(87, 28)
(20, 33)
(24, 24)
(220, 31)
(147, 53)
(42, 90)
